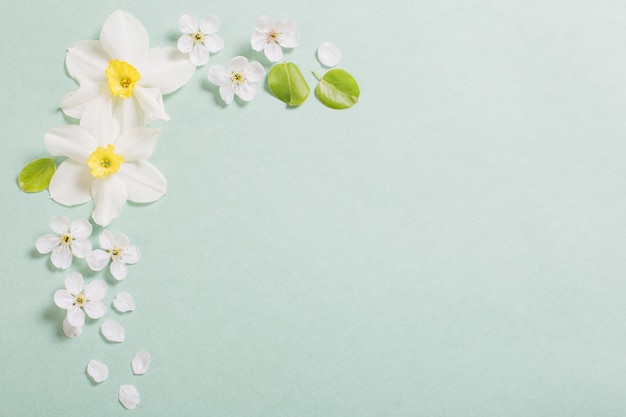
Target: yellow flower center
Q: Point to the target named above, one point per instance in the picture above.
(197, 37)
(272, 35)
(103, 161)
(80, 299)
(115, 253)
(237, 77)
(122, 78)
(66, 239)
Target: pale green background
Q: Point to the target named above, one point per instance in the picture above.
(454, 245)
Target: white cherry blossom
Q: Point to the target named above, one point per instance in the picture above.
(122, 71)
(199, 37)
(79, 299)
(270, 36)
(116, 248)
(69, 240)
(238, 78)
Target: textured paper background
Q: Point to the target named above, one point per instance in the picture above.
(452, 246)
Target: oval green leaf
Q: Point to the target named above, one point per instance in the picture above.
(338, 89)
(36, 175)
(287, 83)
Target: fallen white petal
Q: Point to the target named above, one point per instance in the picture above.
(113, 331)
(97, 370)
(124, 302)
(141, 362)
(70, 331)
(129, 396)
(328, 54)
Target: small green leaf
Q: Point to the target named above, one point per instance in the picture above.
(36, 175)
(287, 83)
(337, 89)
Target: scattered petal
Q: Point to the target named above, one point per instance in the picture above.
(97, 370)
(129, 396)
(124, 302)
(141, 362)
(328, 54)
(113, 331)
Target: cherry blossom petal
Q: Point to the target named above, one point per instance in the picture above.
(95, 310)
(263, 23)
(227, 93)
(70, 331)
(113, 331)
(73, 104)
(185, 44)
(141, 362)
(150, 101)
(328, 54)
(167, 69)
(130, 255)
(137, 144)
(98, 259)
(71, 184)
(76, 316)
(256, 72)
(74, 282)
(209, 24)
(125, 38)
(46, 243)
(188, 24)
(124, 302)
(273, 52)
(87, 60)
(60, 225)
(144, 182)
(72, 141)
(80, 248)
(246, 91)
(97, 370)
(80, 229)
(219, 74)
(106, 239)
(95, 290)
(63, 299)
(109, 195)
(118, 270)
(214, 43)
(199, 55)
(129, 396)
(258, 41)
(61, 257)
(120, 240)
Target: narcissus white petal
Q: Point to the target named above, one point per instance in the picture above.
(141, 362)
(124, 302)
(129, 396)
(329, 54)
(113, 331)
(97, 370)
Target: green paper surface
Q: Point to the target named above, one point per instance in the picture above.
(453, 245)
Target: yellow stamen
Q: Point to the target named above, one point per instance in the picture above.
(80, 299)
(103, 161)
(197, 37)
(237, 77)
(122, 78)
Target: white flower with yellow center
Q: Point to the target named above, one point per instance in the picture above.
(79, 299)
(238, 78)
(103, 164)
(116, 248)
(70, 240)
(122, 71)
(271, 36)
(199, 38)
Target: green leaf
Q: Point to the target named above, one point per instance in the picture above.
(36, 175)
(287, 83)
(337, 89)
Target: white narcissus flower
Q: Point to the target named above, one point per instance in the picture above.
(103, 164)
(70, 240)
(122, 71)
(79, 299)
(116, 248)
(238, 78)
(269, 36)
(199, 37)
